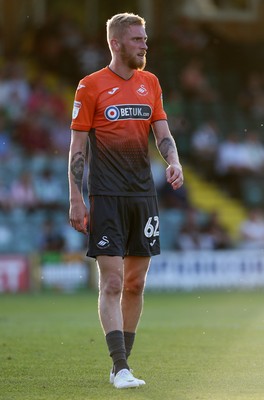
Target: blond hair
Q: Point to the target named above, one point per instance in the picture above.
(116, 26)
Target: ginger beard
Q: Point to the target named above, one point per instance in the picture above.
(133, 62)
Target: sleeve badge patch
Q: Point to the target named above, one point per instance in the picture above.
(76, 108)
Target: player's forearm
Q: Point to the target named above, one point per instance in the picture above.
(165, 142)
(168, 150)
(75, 173)
(77, 157)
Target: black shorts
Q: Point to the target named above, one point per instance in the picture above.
(123, 226)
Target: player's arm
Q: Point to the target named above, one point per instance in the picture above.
(168, 150)
(78, 213)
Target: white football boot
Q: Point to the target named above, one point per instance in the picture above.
(112, 378)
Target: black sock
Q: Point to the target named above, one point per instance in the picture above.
(129, 341)
(116, 345)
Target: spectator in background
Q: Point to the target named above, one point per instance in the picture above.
(252, 230)
(231, 163)
(32, 136)
(70, 33)
(173, 105)
(238, 158)
(22, 193)
(204, 143)
(90, 56)
(254, 149)
(4, 196)
(59, 135)
(74, 242)
(251, 98)
(6, 237)
(189, 236)
(195, 84)
(49, 190)
(5, 140)
(213, 234)
(46, 102)
(200, 232)
(38, 100)
(14, 89)
(231, 155)
(169, 198)
(188, 35)
(48, 47)
(51, 238)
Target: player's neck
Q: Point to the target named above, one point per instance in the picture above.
(121, 70)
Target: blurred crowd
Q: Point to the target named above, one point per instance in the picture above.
(218, 130)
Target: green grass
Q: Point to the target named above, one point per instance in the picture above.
(190, 346)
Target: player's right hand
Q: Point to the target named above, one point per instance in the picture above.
(79, 217)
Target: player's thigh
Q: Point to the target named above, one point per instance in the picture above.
(106, 235)
(111, 270)
(143, 237)
(135, 269)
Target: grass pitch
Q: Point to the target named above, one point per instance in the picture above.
(190, 346)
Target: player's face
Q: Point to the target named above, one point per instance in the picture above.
(133, 47)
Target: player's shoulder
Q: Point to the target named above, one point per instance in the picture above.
(148, 76)
(94, 77)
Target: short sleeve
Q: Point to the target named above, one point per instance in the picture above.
(83, 106)
(158, 112)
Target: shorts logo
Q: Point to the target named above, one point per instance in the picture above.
(103, 243)
(128, 111)
(76, 108)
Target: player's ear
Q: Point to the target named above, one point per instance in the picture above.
(115, 45)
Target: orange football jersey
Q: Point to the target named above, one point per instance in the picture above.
(118, 114)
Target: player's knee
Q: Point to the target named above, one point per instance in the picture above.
(112, 285)
(134, 286)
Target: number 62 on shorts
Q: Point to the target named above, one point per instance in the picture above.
(152, 227)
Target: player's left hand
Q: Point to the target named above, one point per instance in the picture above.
(174, 175)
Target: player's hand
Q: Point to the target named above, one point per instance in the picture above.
(79, 217)
(174, 175)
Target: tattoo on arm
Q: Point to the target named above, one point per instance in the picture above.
(77, 168)
(165, 147)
